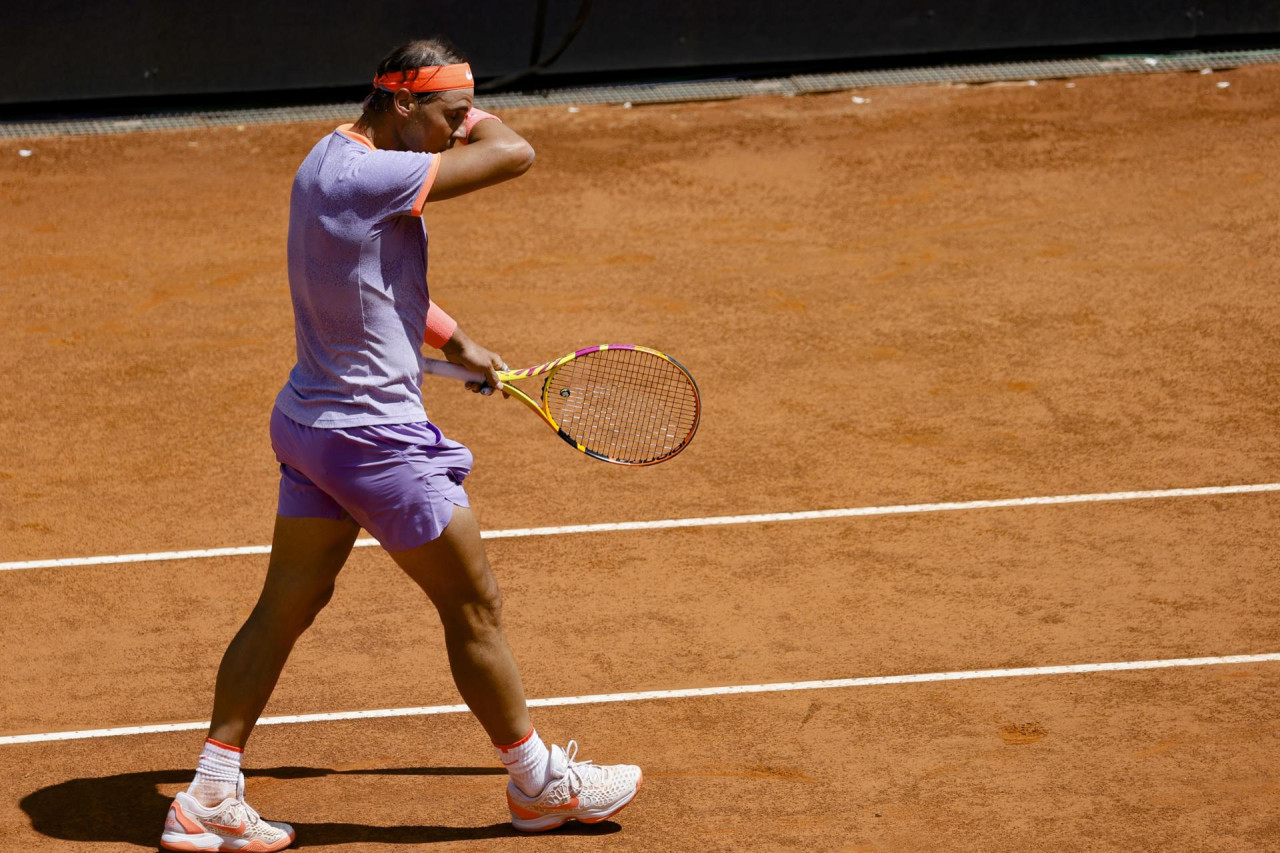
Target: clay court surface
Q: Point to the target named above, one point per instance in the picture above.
(945, 294)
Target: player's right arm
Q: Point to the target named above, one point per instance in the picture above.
(494, 153)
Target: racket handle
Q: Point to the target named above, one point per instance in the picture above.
(449, 370)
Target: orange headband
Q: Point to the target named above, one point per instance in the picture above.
(432, 78)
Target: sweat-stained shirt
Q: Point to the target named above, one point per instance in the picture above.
(358, 279)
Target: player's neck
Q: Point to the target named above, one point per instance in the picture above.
(379, 131)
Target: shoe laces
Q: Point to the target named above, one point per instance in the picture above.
(251, 815)
(580, 773)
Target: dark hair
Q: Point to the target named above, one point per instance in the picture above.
(437, 50)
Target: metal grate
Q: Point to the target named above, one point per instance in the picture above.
(696, 90)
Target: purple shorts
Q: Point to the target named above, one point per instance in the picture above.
(400, 482)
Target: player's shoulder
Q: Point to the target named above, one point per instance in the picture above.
(345, 165)
(320, 150)
(381, 167)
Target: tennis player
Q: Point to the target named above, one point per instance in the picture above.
(356, 448)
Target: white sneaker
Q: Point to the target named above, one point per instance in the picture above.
(578, 790)
(232, 826)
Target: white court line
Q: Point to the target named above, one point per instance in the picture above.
(665, 524)
(830, 684)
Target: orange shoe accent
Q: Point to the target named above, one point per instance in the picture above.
(180, 817)
(525, 813)
(572, 804)
(257, 845)
(519, 810)
(234, 830)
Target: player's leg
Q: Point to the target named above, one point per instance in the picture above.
(306, 556)
(312, 539)
(455, 574)
(547, 786)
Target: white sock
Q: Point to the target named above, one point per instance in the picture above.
(217, 773)
(527, 762)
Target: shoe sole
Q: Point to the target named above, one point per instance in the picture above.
(561, 821)
(210, 843)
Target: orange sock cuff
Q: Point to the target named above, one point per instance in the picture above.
(440, 327)
(520, 742)
(222, 745)
(218, 766)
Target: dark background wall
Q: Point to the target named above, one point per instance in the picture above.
(59, 50)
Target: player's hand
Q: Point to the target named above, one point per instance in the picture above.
(462, 350)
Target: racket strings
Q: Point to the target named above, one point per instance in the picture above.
(628, 405)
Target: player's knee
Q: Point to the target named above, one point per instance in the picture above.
(482, 614)
(315, 604)
(296, 613)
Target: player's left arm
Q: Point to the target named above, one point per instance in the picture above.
(493, 153)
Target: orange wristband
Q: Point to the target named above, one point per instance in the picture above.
(475, 116)
(440, 327)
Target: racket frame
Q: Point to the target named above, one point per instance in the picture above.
(541, 406)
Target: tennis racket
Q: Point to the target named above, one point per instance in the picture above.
(619, 403)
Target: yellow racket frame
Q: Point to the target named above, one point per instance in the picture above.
(541, 405)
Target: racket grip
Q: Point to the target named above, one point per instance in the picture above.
(449, 370)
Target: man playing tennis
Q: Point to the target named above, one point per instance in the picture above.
(356, 449)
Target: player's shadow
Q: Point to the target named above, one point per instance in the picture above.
(129, 808)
